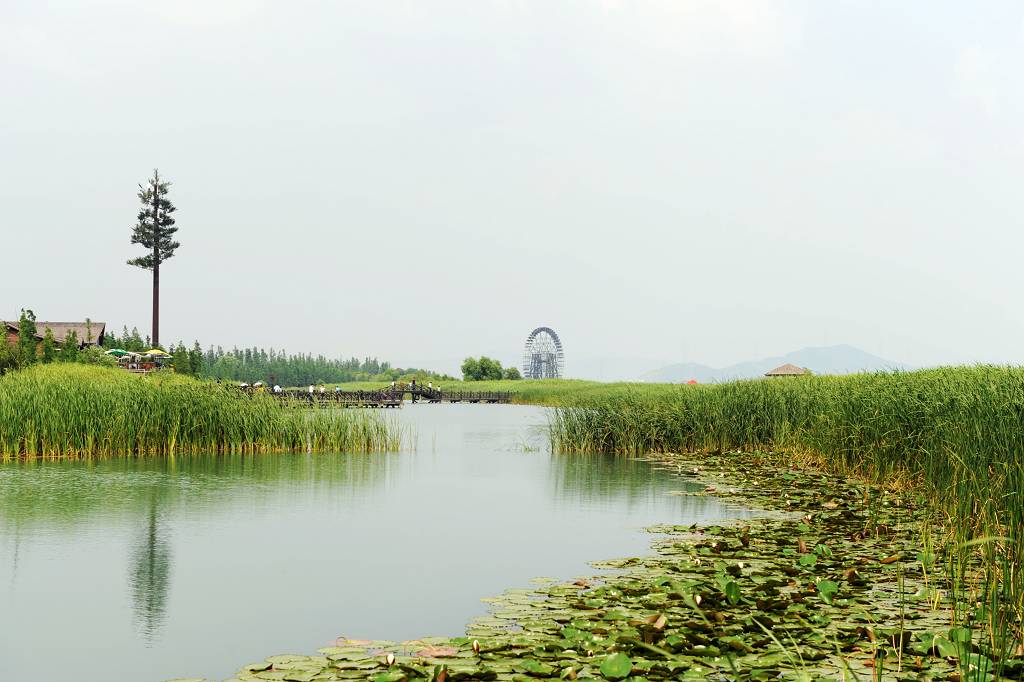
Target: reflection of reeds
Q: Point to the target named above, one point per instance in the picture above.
(57, 411)
(958, 433)
(63, 494)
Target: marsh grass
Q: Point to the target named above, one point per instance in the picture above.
(59, 411)
(955, 435)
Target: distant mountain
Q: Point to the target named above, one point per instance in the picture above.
(842, 359)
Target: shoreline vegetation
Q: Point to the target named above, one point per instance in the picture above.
(906, 489)
(70, 410)
(953, 436)
(900, 559)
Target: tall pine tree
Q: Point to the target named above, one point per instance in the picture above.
(154, 231)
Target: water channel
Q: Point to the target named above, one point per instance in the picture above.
(140, 570)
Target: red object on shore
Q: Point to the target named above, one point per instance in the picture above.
(691, 382)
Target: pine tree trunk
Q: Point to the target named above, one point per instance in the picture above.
(156, 305)
(156, 260)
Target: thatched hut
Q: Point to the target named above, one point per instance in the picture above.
(88, 333)
(787, 370)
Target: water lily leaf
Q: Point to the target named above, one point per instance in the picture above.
(257, 667)
(962, 635)
(301, 676)
(732, 592)
(390, 677)
(618, 666)
(437, 651)
(827, 589)
(945, 647)
(533, 667)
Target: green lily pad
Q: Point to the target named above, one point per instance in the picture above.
(827, 589)
(618, 666)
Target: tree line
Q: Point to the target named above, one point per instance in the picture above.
(269, 365)
(242, 365)
(487, 369)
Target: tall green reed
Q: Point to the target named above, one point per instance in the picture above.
(957, 433)
(55, 411)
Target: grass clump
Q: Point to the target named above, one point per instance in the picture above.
(56, 411)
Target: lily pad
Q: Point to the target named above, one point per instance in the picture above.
(618, 666)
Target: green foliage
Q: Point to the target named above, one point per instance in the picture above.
(49, 346)
(8, 357)
(69, 348)
(94, 355)
(27, 338)
(90, 337)
(511, 374)
(195, 359)
(481, 369)
(155, 227)
(182, 363)
(65, 410)
(279, 367)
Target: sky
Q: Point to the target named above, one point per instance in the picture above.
(660, 181)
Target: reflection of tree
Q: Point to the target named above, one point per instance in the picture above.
(150, 572)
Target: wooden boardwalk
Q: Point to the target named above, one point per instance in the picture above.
(390, 397)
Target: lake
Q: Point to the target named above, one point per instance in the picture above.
(140, 570)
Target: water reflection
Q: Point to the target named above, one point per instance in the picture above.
(63, 495)
(193, 566)
(150, 573)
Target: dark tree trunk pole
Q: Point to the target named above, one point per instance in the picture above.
(156, 259)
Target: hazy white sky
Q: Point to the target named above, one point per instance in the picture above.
(659, 181)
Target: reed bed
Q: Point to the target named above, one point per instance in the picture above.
(956, 434)
(60, 411)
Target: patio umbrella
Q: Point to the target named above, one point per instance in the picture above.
(118, 352)
(157, 353)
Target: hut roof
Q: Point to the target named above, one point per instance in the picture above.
(786, 370)
(62, 329)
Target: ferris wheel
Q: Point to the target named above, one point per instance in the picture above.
(543, 356)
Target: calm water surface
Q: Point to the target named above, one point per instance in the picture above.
(144, 570)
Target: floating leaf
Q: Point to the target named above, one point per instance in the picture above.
(534, 667)
(732, 592)
(618, 666)
(827, 589)
(437, 651)
(390, 677)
